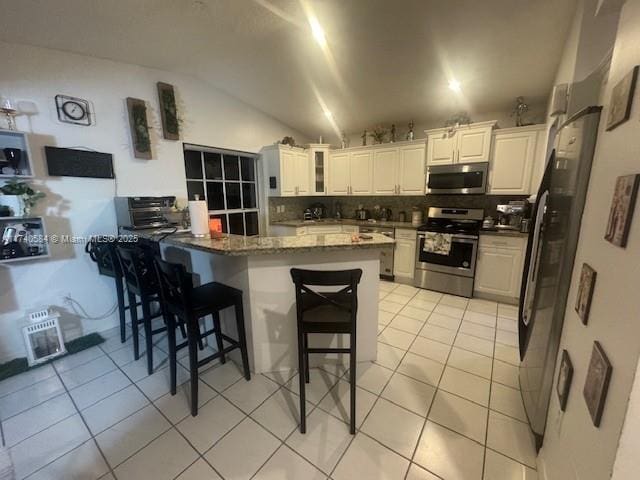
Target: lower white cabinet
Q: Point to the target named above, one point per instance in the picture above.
(287, 230)
(499, 265)
(404, 255)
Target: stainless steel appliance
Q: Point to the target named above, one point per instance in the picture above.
(511, 215)
(386, 254)
(452, 273)
(553, 239)
(135, 213)
(458, 178)
(362, 213)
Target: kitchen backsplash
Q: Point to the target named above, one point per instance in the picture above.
(294, 206)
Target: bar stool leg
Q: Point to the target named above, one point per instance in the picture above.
(352, 381)
(121, 309)
(193, 366)
(242, 338)
(146, 319)
(216, 327)
(306, 358)
(301, 369)
(133, 313)
(171, 337)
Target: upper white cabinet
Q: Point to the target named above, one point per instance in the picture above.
(319, 157)
(466, 144)
(361, 173)
(516, 154)
(339, 174)
(399, 170)
(289, 170)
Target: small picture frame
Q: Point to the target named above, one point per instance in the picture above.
(565, 375)
(597, 383)
(585, 292)
(621, 212)
(168, 111)
(139, 127)
(621, 99)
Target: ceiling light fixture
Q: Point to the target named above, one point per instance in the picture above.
(328, 114)
(317, 31)
(454, 85)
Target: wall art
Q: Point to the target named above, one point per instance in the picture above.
(585, 292)
(168, 111)
(621, 99)
(597, 383)
(565, 375)
(140, 139)
(622, 206)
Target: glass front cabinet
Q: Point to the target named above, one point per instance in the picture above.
(319, 154)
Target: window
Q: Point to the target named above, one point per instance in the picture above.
(227, 181)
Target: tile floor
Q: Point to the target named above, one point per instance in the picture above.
(441, 401)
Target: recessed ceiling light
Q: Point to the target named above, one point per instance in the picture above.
(454, 85)
(317, 31)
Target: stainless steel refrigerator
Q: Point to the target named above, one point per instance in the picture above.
(551, 249)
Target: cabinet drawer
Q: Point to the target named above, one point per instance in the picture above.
(405, 234)
(498, 241)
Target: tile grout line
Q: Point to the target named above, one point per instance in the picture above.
(486, 433)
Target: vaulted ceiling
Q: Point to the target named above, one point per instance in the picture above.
(382, 61)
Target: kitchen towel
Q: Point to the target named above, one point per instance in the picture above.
(199, 216)
(438, 243)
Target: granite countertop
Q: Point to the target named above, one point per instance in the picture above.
(238, 245)
(345, 221)
(503, 233)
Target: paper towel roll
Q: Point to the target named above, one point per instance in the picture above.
(199, 218)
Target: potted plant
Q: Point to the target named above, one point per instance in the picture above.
(19, 196)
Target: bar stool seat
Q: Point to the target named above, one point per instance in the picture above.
(213, 297)
(334, 317)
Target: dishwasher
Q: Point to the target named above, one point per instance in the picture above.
(386, 254)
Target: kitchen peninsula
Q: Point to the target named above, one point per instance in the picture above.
(259, 266)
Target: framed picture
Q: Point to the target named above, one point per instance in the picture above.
(622, 205)
(168, 111)
(585, 292)
(565, 375)
(621, 99)
(139, 127)
(597, 383)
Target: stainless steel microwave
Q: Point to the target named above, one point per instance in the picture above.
(458, 178)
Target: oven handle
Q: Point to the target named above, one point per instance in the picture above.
(458, 237)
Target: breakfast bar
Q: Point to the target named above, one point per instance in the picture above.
(259, 266)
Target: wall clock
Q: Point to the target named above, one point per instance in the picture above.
(73, 110)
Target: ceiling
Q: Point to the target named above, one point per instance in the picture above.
(384, 60)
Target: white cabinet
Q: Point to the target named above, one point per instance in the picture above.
(319, 158)
(411, 177)
(350, 173)
(404, 255)
(515, 152)
(289, 170)
(399, 171)
(466, 144)
(499, 266)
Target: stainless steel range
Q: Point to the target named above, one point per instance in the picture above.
(452, 269)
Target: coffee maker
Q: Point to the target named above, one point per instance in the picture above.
(510, 215)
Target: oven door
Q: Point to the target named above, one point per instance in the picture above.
(459, 178)
(460, 261)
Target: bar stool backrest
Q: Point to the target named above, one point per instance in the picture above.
(137, 268)
(175, 287)
(103, 252)
(345, 298)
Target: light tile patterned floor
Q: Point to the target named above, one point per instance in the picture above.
(441, 401)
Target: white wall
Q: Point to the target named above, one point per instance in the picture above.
(81, 206)
(573, 448)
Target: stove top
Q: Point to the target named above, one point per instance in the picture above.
(465, 221)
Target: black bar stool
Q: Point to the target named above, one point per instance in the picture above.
(189, 304)
(326, 312)
(136, 263)
(103, 252)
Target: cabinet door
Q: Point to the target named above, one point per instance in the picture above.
(319, 160)
(288, 173)
(473, 144)
(361, 173)
(412, 170)
(385, 172)
(404, 258)
(303, 173)
(497, 270)
(440, 149)
(338, 174)
(512, 163)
